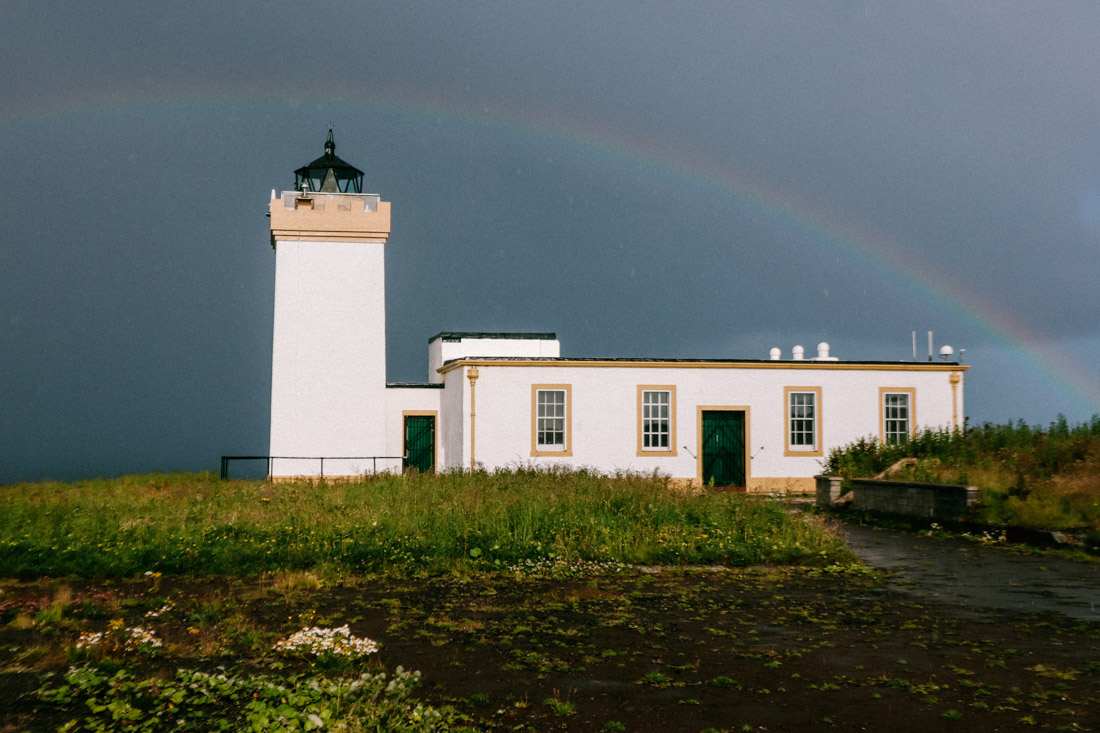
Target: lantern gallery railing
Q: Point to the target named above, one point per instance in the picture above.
(320, 465)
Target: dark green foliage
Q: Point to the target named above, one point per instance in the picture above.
(1034, 453)
(1029, 476)
(195, 700)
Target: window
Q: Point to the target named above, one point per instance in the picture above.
(897, 414)
(551, 427)
(550, 419)
(802, 406)
(656, 420)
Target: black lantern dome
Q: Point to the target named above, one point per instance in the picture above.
(329, 174)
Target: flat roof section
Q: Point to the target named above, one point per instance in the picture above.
(459, 335)
(762, 363)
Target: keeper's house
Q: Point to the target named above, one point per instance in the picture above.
(498, 399)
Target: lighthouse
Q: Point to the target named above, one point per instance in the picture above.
(328, 364)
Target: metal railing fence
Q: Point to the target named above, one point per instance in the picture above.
(321, 468)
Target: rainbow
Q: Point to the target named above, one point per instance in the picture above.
(617, 145)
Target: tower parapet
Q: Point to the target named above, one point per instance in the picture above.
(329, 217)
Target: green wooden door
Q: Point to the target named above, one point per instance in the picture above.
(419, 443)
(723, 447)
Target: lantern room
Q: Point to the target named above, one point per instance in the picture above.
(329, 174)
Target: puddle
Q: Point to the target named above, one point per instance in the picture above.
(969, 574)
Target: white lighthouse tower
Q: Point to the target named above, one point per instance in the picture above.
(328, 365)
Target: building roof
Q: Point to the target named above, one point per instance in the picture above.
(459, 335)
(681, 363)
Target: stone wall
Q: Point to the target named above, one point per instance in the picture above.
(913, 499)
(828, 490)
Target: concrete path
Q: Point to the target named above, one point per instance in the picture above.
(980, 576)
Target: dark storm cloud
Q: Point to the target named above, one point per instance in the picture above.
(539, 157)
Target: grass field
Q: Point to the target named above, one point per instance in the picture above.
(197, 524)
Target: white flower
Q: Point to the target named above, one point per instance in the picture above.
(163, 609)
(130, 639)
(89, 639)
(138, 636)
(316, 641)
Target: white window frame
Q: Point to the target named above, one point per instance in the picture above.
(795, 416)
(665, 424)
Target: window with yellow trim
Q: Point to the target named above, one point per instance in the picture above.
(656, 419)
(551, 432)
(803, 421)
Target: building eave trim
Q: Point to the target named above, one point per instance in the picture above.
(701, 364)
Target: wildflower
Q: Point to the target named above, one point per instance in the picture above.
(135, 638)
(88, 639)
(316, 641)
(163, 609)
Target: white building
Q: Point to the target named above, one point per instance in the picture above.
(496, 400)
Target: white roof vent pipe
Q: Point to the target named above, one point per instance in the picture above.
(823, 352)
(797, 352)
(775, 354)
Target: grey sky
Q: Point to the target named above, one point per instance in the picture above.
(644, 179)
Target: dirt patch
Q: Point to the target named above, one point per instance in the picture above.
(764, 649)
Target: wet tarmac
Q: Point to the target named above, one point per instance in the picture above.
(971, 574)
